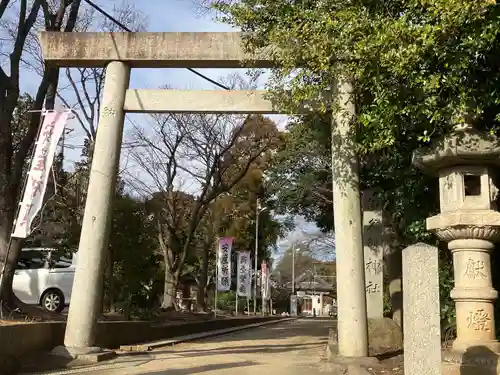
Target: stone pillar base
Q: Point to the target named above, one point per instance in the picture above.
(462, 346)
(87, 355)
(359, 361)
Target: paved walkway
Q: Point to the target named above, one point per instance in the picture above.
(286, 348)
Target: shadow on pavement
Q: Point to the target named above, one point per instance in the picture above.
(42, 362)
(283, 330)
(201, 369)
(247, 349)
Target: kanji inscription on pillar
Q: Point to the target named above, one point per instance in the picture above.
(373, 265)
(373, 256)
(372, 288)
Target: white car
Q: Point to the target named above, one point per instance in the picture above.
(44, 277)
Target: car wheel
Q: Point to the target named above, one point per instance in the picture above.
(53, 301)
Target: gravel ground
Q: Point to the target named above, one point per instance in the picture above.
(289, 348)
(391, 366)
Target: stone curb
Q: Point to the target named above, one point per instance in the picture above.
(145, 347)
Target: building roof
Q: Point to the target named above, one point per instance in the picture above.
(311, 282)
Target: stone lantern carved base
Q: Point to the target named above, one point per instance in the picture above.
(471, 243)
(476, 361)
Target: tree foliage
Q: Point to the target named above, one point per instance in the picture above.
(300, 174)
(134, 260)
(417, 67)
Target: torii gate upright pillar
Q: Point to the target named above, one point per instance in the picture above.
(87, 289)
(351, 298)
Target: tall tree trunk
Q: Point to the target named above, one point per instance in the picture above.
(201, 293)
(393, 261)
(201, 298)
(172, 274)
(7, 296)
(394, 268)
(169, 291)
(108, 286)
(186, 297)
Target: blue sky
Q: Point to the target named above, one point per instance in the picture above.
(177, 15)
(165, 16)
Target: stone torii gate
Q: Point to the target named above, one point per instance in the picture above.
(118, 53)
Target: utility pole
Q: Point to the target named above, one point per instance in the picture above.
(257, 214)
(293, 269)
(314, 279)
(263, 287)
(293, 298)
(258, 211)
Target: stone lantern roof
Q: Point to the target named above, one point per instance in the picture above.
(465, 146)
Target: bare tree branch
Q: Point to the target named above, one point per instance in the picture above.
(3, 6)
(212, 152)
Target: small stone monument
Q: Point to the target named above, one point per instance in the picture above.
(373, 233)
(470, 223)
(421, 310)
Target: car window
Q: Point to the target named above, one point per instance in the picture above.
(21, 265)
(60, 260)
(32, 260)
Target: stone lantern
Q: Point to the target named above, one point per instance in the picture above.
(465, 162)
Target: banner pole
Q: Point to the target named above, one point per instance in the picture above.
(238, 260)
(216, 275)
(249, 290)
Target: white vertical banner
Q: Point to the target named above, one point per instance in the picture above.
(224, 264)
(265, 285)
(38, 175)
(244, 281)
